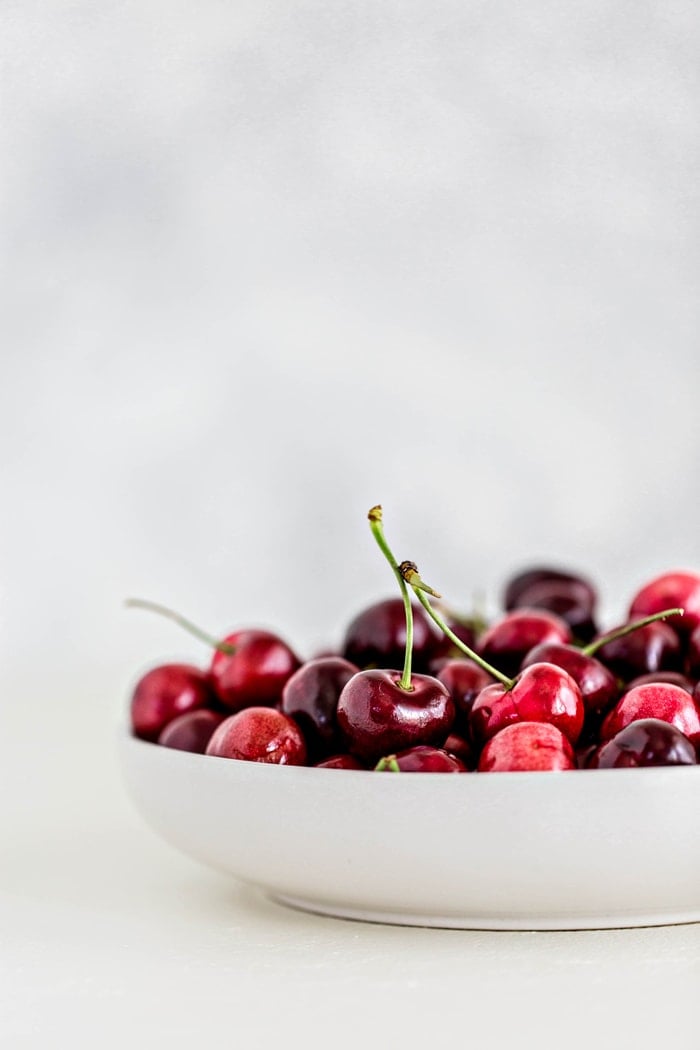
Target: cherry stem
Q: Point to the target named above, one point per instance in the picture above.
(376, 525)
(413, 578)
(181, 621)
(592, 648)
(388, 764)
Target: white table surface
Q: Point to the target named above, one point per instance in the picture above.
(109, 938)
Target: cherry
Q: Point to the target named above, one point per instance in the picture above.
(464, 680)
(421, 759)
(446, 649)
(340, 762)
(693, 655)
(191, 731)
(654, 647)
(541, 693)
(259, 734)
(255, 672)
(658, 677)
(518, 586)
(646, 742)
(378, 715)
(598, 685)
(672, 588)
(461, 749)
(507, 641)
(164, 693)
(377, 637)
(311, 696)
(669, 703)
(527, 746)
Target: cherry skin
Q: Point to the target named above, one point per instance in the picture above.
(692, 665)
(311, 696)
(424, 759)
(542, 693)
(259, 734)
(340, 762)
(507, 642)
(648, 649)
(598, 685)
(517, 586)
(164, 693)
(671, 590)
(461, 749)
(646, 742)
(669, 703)
(191, 731)
(377, 637)
(255, 674)
(527, 746)
(568, 599)
(658, 677)
(378, 717)
(464, 680)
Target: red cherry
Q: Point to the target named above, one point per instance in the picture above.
(525, 581)
(259, 734)
(527, 746)
(461, 749)
(340, 762)
(671, 590)
(464, 681)
(669, 703)
(421, 759)
(654, 647)
(311, 696)
(377, 637)
(378, 717)
(191, 731)
(507, 642)
(164, 693)
(542, 693)
(693, 655)
(255, 673)
(646, 742)
(598, 685)
(659, 677)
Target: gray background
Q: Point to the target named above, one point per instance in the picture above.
(266, 264)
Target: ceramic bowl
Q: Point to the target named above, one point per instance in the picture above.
(503, 851)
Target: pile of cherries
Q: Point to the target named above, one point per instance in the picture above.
(414, 689)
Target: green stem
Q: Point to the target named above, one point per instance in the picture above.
(181, 621)
(388, 764)
(375, 524)
(628, 628)
(436, 618)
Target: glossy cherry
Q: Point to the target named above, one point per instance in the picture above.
(671, 589)
(669, 703)
(648, 649)
(541, 693)
(311, 697)
(662, 677)
(597, 683)
(255, 673)
(646, 742)
(259, 734)
(164, 693)
(191, 731)
(377, 637)
(340, 762)
(464, 681)
(421, 759)
(507, 642)
(571, 600)
(518, 586)
(527, 746)
(461, 748)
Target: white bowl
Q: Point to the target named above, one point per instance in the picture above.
(500, 851)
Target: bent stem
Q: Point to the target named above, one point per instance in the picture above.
(592, 648)
(181, 621)
(387, 765)
(376, 525)
(412, 577)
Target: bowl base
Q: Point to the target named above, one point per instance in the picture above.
(530, 923)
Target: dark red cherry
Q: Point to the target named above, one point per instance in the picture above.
(598, 685)
(340, 762)
(527, 746)
(311, 696)
(378, 717)
(255, 674)
(652, 648)
(464, 681)
(659, 677)
(524, 581)
(567, 599)
(164, 693)
(506, 643)
(259, 734)
(422, 759)
(669, 703)
(377, 637)
(692, 664)
(646, 742)
(542, 693)
(191, 731)
(461, 749)
(669, 591)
